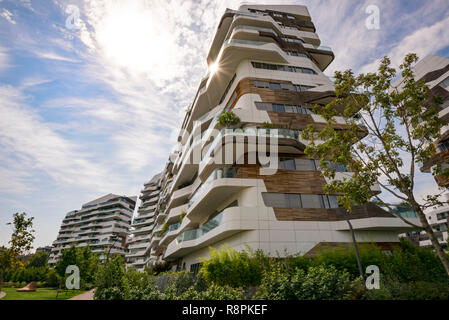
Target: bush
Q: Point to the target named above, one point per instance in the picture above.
(233, 268)
(394, 290)
(139, 286)
(327, 283)
(52, 279)
(319, 283)
(214, 292)
(228, 119)
(108, 279)
(277, 284)
(177, 283)
(158, 268)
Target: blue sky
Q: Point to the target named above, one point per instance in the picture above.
(94, 107)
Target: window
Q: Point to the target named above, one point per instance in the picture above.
(305, 165)
(277, 15)
(291, 17)
(445, 83)
(311, 201)
(261, 84)
(227, 89)
(278, 86)
(275, 86)
(278, 67)
(297, 54)
(443, 146)
(287, 164)
(441, 216)
(294, 200)
(293, 40)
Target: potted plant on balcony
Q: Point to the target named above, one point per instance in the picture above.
(228, 119)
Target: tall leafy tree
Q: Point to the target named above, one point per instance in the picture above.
(389, 131)
(21, 242)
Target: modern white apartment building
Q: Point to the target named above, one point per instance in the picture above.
(102, 224)
(438, 218)
(140, 239)
(266, 66)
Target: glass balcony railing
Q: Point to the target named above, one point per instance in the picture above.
(242, 27)
(253, 131)
(205, 228)
(248, 42)
(403, 211)
(216, 174)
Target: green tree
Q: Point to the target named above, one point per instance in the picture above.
(21, 242)
(39, 259)
(384, 126)
(108, 279)
(84, 259)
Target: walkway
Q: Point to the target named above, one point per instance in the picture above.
(2, 294)
(89, 295)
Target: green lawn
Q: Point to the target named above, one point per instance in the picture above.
(39, 294)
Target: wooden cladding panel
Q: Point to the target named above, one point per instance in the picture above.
(286, 181)
(299, 214)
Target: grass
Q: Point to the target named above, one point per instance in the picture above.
(39, 294)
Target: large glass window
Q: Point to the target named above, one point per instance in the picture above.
(445, 83)
(279, 67)
(311, 201)
(287, 164)
(294, 200)
(277, 86)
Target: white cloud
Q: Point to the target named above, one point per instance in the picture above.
(424, 41)
(54, 56)
(8, 16)
(25, 137)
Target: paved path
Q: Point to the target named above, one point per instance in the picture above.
(2, 294)
(89, 295)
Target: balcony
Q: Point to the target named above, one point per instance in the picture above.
(221, 185)
(287, 141)
(175, 213)
(228, 222)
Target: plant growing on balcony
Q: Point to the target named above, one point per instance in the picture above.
(228, 119)
(181, 217)
(164, 229)
(268, 125)
(400, 128)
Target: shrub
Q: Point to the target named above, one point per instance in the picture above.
(158, 268)
(228, 119)
(214, 292)
(280, 285)
(327, 283)
(52, 279)
(391, 289)
(108, 279)
(139, 286)
(318, 283)
(230, 267)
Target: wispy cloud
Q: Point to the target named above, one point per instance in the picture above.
(54, 56)
(8, 16)
(30, 141)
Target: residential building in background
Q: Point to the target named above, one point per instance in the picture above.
(434, 71)
(266, 66)
(438, 220)
(101, 224)
(46, 249)
(140, 240)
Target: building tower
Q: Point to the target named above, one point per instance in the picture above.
(266, 67)
(102, 224)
